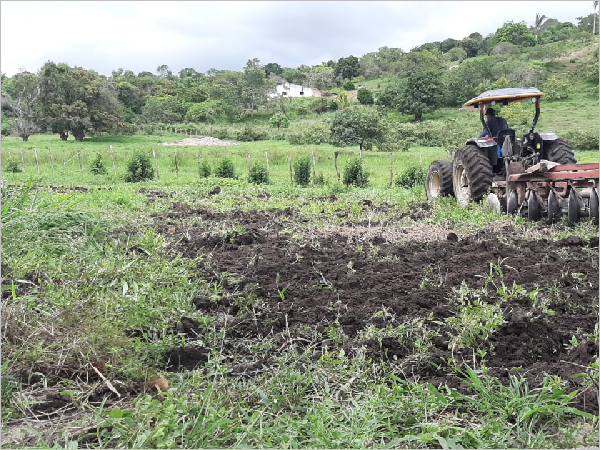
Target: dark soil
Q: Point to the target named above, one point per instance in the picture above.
(311, 286)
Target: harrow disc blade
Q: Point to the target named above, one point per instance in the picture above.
(534, 209)
(513, 202)
(554, 209)
(573, 209)
(594, 205)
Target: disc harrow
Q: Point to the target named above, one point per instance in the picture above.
(549, 191)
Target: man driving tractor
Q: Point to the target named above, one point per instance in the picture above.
(494, 124)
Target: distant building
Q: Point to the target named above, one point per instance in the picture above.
(295, 90)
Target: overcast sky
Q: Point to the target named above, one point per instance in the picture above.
(141, 35)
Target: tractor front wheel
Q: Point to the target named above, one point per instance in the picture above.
(439, 180)
(471, 174)
(559, 151)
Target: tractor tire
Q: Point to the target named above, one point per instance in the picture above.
(471, 175)
(439, 180)
(559, 151)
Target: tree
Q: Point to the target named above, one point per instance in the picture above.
(447, 44)
(24, 90)
(279, 120)
(255, 85)
(273, 68)
(539, 20)
(515, 33)
(163, 71)
(76, 100)
(456, 54)
(207, 111)
(423, 93)
(357, 125)
(365, 96)
(163, 109)
(347, 68)
(320, 77)
(587, 23)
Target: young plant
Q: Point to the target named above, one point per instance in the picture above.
(302, 168)
(225, 169)
(355, 174)
(98, 167)
(139, 168)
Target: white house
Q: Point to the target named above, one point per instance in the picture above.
(295, 90)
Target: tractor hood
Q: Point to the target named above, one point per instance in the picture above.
(504, 96)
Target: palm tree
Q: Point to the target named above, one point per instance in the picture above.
(595, 3)
(539, 19)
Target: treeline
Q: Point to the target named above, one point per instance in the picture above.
(75, 101)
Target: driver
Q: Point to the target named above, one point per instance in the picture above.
(494, 123)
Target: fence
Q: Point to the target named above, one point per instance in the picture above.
(183, 163)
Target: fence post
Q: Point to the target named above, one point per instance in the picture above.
(291, 173)
(80, 161)
(156, 159)
(176, 165)
(267, 158)
(391, 169)
(314, 166)
(112, 157)
(10, 156)
(37, 163)
(249, 163)
(22, 159)
(51, 161)
(63, 159)
(337, 171)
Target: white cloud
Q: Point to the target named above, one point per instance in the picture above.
(143, 35)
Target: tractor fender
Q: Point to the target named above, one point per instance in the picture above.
(548, 135)
(482, 142)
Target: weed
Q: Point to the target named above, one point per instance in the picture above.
(13, 167)
(411, 177)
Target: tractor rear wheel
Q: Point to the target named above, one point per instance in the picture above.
(559, 151)
(439, 180)
(471, 174)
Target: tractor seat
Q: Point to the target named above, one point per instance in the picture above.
(501, 137)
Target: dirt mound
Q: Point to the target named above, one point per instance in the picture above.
(351, 294)
(205, 141)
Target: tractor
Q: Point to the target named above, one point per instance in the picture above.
(535, 176)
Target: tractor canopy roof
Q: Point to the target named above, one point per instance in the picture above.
(504, 96)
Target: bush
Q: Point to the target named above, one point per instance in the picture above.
(323, 105)
(302, 171)
(354, 173)
(557, 89)
(365, 97)
(411, 177)
(222, 133)
(313, 135)
(258, 175)
(98, 167)
(225, 169)
(319, 179)
(139, 168)
(349, 85)
(279, 120)
(249, 134)
(13, 167)
(204, 169)
(582, 140)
